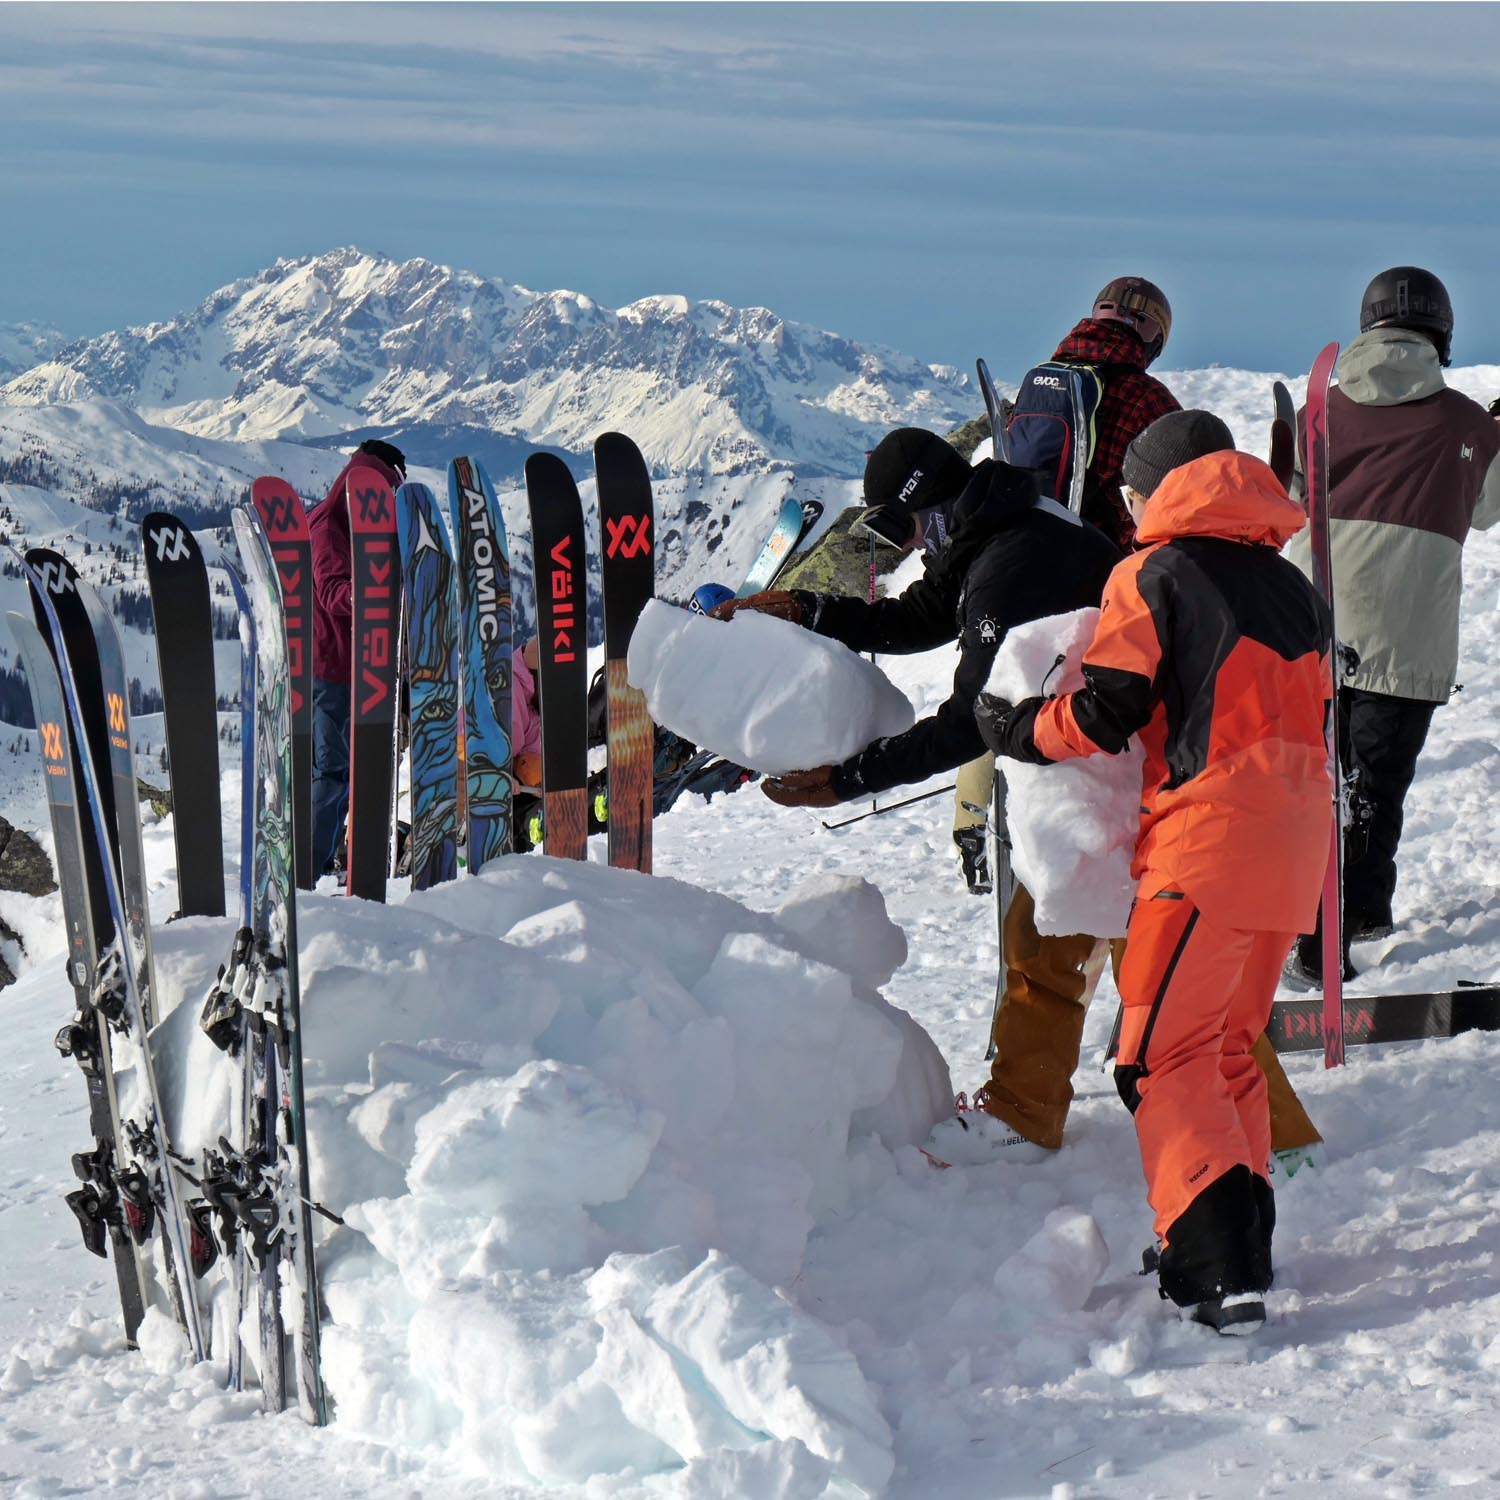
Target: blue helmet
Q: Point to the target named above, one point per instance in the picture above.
(708, 597)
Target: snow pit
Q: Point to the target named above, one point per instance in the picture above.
(580, 1126)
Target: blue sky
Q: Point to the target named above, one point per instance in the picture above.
(949, 180)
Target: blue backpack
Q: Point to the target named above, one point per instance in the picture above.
(1051, 427)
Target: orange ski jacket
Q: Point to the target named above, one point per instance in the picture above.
(1214, 650)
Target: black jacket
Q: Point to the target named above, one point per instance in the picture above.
(1009, 559)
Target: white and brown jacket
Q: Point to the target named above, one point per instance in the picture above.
(1412, 467)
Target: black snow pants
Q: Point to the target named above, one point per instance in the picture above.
(1380, 738)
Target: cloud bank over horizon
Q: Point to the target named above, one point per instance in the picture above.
(945, 180)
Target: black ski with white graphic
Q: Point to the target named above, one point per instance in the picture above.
(149, 1177)
(183, 614)
(104, 1214)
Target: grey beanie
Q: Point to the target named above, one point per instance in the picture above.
(1168, 443)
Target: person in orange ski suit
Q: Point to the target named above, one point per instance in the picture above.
(1213, 649)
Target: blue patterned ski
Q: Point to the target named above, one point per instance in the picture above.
(482, 569)
(430, 669)
(778, 547)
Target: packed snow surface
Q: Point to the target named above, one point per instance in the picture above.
(988, 1315)
(759, 691)
(1072, 825)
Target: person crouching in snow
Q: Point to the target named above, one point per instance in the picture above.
(1213, 649)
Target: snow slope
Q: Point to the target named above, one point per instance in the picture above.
(964, 1322)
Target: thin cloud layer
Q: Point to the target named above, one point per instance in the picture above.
(938, 178)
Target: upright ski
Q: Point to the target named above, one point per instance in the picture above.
(430, 670)
(148, 1180)
(482, 573)
(627, 579)
(1331, 911)
(228, 1173)
(1083, 442)
(999, 444)
(776, 552)
(183, 615)
(278, 508)
(104, 1214)
(1283, 455)
(274, 1004)
(376, 588)
(76, 652)
(562, 621)
(812, 513)
(88, 639)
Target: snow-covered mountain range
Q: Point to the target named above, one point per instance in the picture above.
(342, 343)
(23, 345)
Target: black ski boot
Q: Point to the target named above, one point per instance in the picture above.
(1234, 1316)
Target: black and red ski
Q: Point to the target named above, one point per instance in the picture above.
(561, 573)
(376, 598)
(627, 579)
(1298, 1025)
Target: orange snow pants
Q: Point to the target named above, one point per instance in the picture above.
(1038, 1034)
(1197, 995)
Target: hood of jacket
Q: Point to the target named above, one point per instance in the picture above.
(1230, 494)
(1389, 367)
(1103, 342)
(992, 500)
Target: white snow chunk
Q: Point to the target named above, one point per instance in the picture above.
(1058, 1266)
(759, 691)
(1072, 825)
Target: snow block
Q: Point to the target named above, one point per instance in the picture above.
(759, 691)
(1072, 825)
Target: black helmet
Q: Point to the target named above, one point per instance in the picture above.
(1409, 297)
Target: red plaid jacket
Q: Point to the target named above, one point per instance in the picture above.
(1133, 400)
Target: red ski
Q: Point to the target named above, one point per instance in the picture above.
(1331, 911)
(278, 508)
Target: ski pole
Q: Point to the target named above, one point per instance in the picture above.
(889, 807)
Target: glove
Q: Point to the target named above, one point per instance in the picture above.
(990, 712)
(778, 602)
(803, 788)
(1008, 729)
